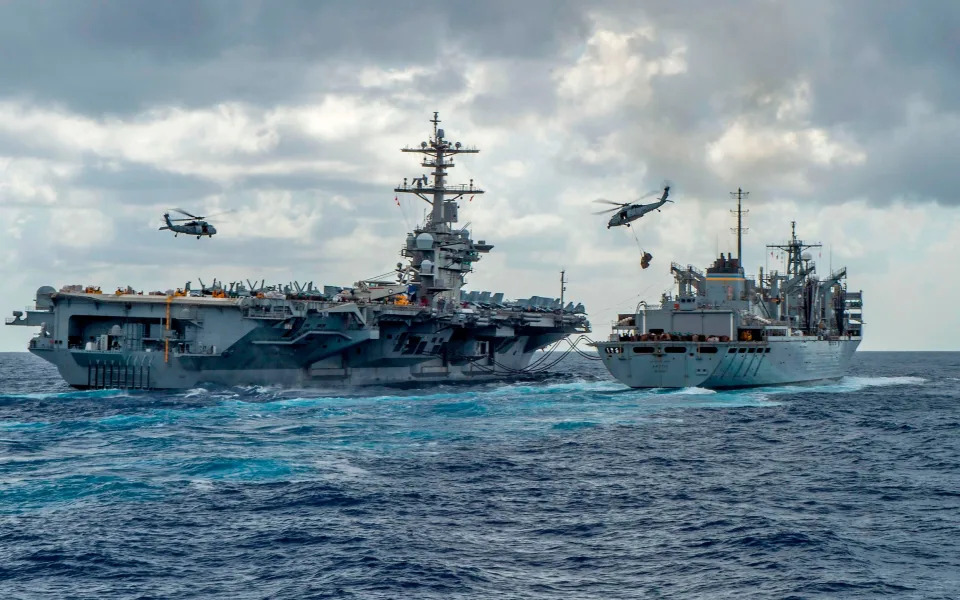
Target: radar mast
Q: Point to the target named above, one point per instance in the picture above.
(739, 229)
(438, 155)
(440, 255)
(794, 249)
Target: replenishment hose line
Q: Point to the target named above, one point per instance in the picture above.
(541, 365)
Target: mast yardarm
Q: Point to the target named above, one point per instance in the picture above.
(438, 155)
(440, 255)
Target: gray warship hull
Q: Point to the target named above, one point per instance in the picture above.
(416, 324)
(153, 342)
(724, 329)
(727, 365)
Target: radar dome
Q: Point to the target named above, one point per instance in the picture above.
(424, 241)
(807, 256)
(426, 268)
(43, 297)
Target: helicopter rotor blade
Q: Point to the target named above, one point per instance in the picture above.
(606, 211)
(219, 212)
(605, 201)
(183, 212)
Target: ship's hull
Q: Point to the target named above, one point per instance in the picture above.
(418, 324)
(149, 342)
(672, 364)
(147, 370)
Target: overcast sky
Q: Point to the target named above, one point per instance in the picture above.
(843, 116)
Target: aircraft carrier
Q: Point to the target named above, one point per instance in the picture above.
(725, 330)
(416, 324)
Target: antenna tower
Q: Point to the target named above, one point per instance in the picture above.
(563, 285)
(438, 155)
(739, 229)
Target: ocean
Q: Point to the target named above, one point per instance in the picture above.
(567, 485)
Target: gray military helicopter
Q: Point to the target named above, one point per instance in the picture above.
(192, 225)
(627, 212)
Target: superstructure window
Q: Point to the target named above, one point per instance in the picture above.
(708, 349)
(643, 349)
(675, 349)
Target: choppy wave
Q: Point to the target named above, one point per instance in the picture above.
(565, 485)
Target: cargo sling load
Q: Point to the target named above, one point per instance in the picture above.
(418, 325)
(725, 330)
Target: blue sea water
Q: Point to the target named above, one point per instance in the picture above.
(563, 486)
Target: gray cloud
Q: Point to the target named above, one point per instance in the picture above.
(107, 57)
(292, 114)
(864, 62)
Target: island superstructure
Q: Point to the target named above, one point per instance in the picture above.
(723, 329)
(418, 324)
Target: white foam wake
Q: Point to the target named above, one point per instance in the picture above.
(884, 381)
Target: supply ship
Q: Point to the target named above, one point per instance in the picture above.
(415, 325)
(723, 329)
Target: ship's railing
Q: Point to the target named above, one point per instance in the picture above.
(197, 350)
(684, 268)
(432, 162)
(42, 343)
(457, 188)
(268, 312)
(463, 187)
